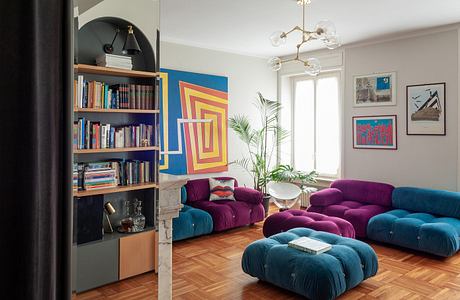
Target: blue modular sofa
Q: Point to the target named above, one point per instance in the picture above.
(191, 222)
(423, 219)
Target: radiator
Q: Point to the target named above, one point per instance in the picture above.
(305, 196)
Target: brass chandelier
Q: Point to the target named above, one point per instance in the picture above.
(324, 31)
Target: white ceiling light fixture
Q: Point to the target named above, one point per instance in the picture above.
(324, 31)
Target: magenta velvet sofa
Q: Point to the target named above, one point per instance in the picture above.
(226, 214)
(356, 201)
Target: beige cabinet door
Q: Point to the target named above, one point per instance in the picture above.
(137, 254)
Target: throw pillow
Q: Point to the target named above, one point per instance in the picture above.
(221, 189)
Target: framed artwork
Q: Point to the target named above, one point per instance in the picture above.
(375, 90)
(193, 123)
(426, 109)
(375, 132)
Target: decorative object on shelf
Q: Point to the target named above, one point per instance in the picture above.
(127, 222)
(375, 90)
(198, 103)
(426, 109)
(284, 194)
(375, 132)
(109, 210)
(130, 47)
(324, 31)
(138, 218)
(260, 141)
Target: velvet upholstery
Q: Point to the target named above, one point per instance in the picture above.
(424, 220)
(317, 277)
(353, 200)
(191, 222)
(289, 219)
(247, 209)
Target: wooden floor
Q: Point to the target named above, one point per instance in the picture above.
(209, 267)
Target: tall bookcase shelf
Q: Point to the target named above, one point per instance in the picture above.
(115, 150)
(102, 259)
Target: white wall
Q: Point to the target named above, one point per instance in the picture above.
(424, 161)
(246, 76)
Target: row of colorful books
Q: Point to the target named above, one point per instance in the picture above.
(112, 173)
(95, 94)
(94, 135)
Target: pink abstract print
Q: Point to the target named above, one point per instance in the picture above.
(375, 132)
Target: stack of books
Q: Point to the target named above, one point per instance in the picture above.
(95, 94)
(309, 245)
(111, 173)
(94, 135)
(114, 61)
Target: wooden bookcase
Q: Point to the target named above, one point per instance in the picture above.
(116, 256)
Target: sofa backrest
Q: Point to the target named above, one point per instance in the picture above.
(183, 195)
(437, 202)
(198, 189)
(365, 191)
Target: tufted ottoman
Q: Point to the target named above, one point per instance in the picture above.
(323, 276)
(290, 219)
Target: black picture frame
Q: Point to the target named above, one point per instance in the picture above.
(443, 106)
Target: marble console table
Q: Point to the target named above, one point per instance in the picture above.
(169, 207)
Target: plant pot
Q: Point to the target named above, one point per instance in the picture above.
(266, 203)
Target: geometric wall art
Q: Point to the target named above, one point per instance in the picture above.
(375, 89)
(375, 132)
(193, 123)
(426, 109)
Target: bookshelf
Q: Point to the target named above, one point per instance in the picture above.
(110, 257)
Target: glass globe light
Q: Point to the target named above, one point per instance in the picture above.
(312, 67)
(324, 29)
(274, 63)
(278, 38)
(332, 42)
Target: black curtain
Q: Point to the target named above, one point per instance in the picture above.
(36, 83)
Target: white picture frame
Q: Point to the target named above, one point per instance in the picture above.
(378, 89)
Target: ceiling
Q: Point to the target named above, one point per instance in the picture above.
(243, 26)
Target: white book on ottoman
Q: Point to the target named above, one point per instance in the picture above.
(309, 245)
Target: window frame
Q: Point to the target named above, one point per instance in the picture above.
(293, 85)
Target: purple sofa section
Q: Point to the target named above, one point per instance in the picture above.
(283, 221)
(247, 209)
(356, 201)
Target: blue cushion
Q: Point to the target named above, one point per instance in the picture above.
(183, 195)
(191, 222)
(437, 202)
(323, 276)
(419, 231)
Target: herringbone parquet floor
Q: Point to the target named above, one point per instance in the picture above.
(209, 267)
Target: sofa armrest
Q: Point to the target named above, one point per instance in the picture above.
(326, 197)
(248, 195)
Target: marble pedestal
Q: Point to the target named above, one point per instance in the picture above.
(169, 207)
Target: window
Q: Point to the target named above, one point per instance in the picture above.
(312, 115)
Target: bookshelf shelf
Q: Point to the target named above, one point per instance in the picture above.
(90, 69)
(118, 189)
(125, 111)
(114, 150)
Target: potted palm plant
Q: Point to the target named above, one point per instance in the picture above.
(261, 145)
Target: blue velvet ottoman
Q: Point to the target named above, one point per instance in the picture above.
(191, 222)
(323, 276)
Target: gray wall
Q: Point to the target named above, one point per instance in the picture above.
(425, 161)
(246, 76)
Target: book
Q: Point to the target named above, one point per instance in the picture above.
(309, 245)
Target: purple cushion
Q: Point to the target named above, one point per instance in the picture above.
(230, 214)
(365, 191)
(294, 218)
(354, 212)
(248, 195)
(326, 197)
(198, 189)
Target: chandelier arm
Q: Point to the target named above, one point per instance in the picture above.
(297, 28)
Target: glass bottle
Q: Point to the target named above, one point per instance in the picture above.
(138, 218)
(127, 223)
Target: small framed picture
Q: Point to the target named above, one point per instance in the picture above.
(426, 109)
(375, 132)
(375, 90)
